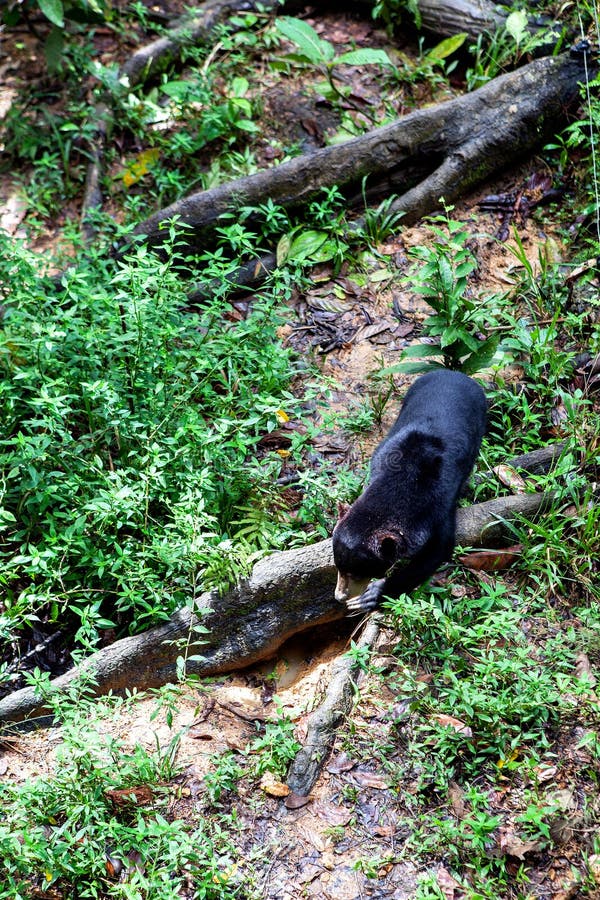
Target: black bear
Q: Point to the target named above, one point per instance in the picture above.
(402, 526)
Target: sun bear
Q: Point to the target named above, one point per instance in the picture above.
(402, 526)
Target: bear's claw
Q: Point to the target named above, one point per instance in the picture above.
(368, 600)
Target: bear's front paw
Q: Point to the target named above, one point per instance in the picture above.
(368, 600)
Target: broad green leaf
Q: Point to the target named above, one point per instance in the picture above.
(326, 251)
(417, 350)
(53, 10)
(516, 25)
(239, 87)
(247, 125)
(450, 335)
(465, 268)
(413, 368)
(364, 57)
(53, 48)
(470, 342)
(480, 360)
(447, 47)
(446, 275)
(283, 249)
(306, 245)
(176, 89)
(306, 38)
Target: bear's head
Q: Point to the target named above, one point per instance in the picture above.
(361, 555)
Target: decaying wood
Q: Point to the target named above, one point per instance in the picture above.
(286, 593)
(324, 721)
(441, 151)
(473, 17)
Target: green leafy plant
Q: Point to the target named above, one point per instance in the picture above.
(60, 14)
(507, 45)
(129, 431)
(324, 241)
(390, 12)
(460, 322)
(315, 52)
(582, 135)
(77, 833)
(432, 66)
(382, 221)
(496, 700)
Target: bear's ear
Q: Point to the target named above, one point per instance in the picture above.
(342, 510)
(387, 545)
(430, 461)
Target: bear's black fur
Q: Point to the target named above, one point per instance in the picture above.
(402, 526)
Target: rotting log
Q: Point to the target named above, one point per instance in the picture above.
(473, 17)
(287, 593)
(441, 151)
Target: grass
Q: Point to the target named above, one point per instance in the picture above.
(78, 834)
(134, 475)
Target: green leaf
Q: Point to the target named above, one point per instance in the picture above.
(306, 245)
(446, 275)
(239, 87)
(53, 48)
(422, 350)
(364, 57)
(176, 89)
(450, 335)
(247, 125)
(413, 368)
(480, 360)
(53, 10)
(516, 25)
(447, 47)
(316, 50)
(283, 249)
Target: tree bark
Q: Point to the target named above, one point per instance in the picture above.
(441, 151)
(286, 593)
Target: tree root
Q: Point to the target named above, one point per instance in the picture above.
(324, 721)
(438, 152)
(287, 592)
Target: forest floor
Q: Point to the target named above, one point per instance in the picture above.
(368, 816)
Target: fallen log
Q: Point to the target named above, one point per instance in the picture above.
(441, 151)
(287, 592)
(536, 462)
